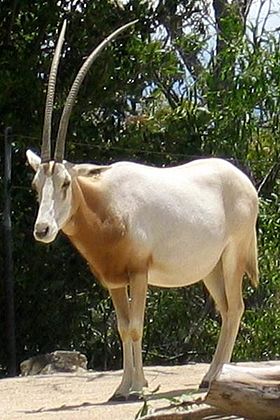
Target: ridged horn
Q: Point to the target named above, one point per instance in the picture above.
(64, 121)
(46, 137)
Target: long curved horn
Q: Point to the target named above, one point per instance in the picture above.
(46, 137)
(64, 121)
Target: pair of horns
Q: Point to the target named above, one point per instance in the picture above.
(64, 121)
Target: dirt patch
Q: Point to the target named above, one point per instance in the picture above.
(85, 396)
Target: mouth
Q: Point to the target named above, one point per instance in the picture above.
(46, 236)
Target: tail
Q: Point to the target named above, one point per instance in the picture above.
(252, 261)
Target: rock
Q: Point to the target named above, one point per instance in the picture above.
(57, 361)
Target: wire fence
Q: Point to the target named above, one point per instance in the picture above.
(107, 146)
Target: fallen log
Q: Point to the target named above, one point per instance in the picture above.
(197, 413)
(250, 390)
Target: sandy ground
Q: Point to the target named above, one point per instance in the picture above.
(85, 396)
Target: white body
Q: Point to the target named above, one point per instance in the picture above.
(182, 215)
(168, 227)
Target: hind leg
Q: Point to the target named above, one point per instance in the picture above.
(225, 286)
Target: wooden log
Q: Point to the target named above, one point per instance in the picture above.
(198, 413)
(249, 390)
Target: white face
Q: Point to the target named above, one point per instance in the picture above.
(53, 185)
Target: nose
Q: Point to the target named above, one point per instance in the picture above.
(41, 230)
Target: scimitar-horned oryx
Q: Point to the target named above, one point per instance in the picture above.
(137, 225)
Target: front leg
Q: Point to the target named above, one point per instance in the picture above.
(122, 307)
(138, 293)
(130, 317)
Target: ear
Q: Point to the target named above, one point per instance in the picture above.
(85, 169)
(33, 159)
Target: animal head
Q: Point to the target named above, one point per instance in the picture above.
(54, 177)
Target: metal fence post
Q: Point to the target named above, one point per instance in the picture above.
(8, 257)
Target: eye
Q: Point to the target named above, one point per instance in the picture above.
(65, 187)
(66, 184)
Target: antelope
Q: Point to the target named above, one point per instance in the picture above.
(138, 225)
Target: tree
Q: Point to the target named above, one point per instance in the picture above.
(192, 79)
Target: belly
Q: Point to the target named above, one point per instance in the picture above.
(185, 267)
(176, 278)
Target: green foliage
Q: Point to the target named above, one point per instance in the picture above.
(156, 96)
(260, 333)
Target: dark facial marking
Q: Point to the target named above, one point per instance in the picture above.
(66, 184)
(95, 172)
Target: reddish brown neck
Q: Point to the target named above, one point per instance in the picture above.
(98, 234)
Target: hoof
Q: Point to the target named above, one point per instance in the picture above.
(204, 385)
(118, 398)
(133, 397)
